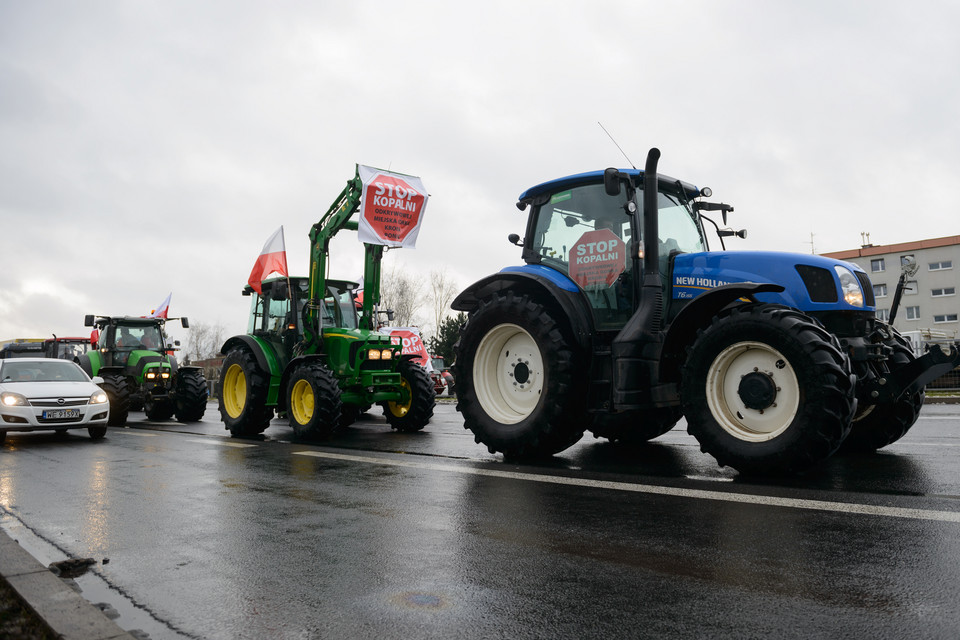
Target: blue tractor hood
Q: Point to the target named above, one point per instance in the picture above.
(811, 283)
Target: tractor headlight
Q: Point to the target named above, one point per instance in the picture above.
(98, 397)
(10, 399)
(151, 375)
(849, 286)
(386, 354)
(373, 354)
(165, 374)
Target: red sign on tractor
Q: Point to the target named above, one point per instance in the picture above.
(597, 259)
(392, 208)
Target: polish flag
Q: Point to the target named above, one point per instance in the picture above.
(273, 259)
(161, 311)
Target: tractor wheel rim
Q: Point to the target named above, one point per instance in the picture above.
(724, 387)
(234, 390)
(400, 409)
(508, 373)
(302, 402)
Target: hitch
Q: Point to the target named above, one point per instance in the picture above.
(912, 377)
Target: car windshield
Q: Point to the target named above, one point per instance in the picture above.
(50, 371)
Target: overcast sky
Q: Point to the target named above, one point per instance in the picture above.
(153, 147)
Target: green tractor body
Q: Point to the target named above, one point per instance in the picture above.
(312, 351)
(140, 371)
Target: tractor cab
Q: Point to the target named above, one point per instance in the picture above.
(586, 228)
(279, 309)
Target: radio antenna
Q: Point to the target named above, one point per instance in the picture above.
(618, 146)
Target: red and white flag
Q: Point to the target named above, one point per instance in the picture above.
(161, 311)
(273, 259)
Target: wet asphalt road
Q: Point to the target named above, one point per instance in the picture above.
(377, 534)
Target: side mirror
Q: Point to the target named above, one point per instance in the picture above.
(611, 182)
(390, 315)
(185, 323)
(88, 321)
(514, 239)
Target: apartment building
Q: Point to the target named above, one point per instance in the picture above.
(930, 305)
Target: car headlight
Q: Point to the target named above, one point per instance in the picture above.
(98, 397)
(849, 286)
(10, 399)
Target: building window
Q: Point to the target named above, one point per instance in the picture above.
(943, 291)
(948, 317)
(913, 313)
(883, 314)
(940, 266)
(910, 288)
(879, 291)
(877, 265)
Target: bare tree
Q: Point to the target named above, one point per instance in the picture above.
(442, 291)
(403, 293)
(204, 340)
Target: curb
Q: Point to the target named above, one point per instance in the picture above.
(63, 610)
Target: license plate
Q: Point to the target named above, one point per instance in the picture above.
(60, 414)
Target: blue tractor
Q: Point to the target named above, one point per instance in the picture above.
(621, 322)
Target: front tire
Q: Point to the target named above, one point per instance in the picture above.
(243, 395)
(96, 433)
(518, 387)
(415, 413)
(878, 425)
(767, 390)
(118, 393)
(313, 401)
(191, 395)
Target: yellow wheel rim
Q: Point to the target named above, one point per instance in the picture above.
(234, 391)
(400, 409)
(302, 401)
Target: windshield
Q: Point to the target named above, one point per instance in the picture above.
(139, 337)
(50, 371)
(586, 234)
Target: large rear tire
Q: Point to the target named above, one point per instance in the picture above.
(415, 413)
(313, 401)
(243, 391)
(118, 393)
(635, 427)
(518, 387)
(878, 425)
(191, 395)
(767, 390)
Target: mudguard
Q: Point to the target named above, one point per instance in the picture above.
(546, 286)
(697, 314)
(267, 359)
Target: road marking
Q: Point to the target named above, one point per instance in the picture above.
(222, 442)
(720, 496)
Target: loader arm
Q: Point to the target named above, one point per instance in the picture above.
(337, 218)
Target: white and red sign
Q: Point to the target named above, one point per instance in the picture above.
(409, 337)
(391, 208)
(597, 259)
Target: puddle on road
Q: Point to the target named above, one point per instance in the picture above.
(92, 586)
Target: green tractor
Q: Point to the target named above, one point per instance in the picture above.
(139, 370)
(308, 354)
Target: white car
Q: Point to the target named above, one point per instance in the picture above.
(39, 394)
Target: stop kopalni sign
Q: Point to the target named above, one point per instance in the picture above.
(391, 207)
(597, 259)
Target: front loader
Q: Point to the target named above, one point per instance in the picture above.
(310, 355)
